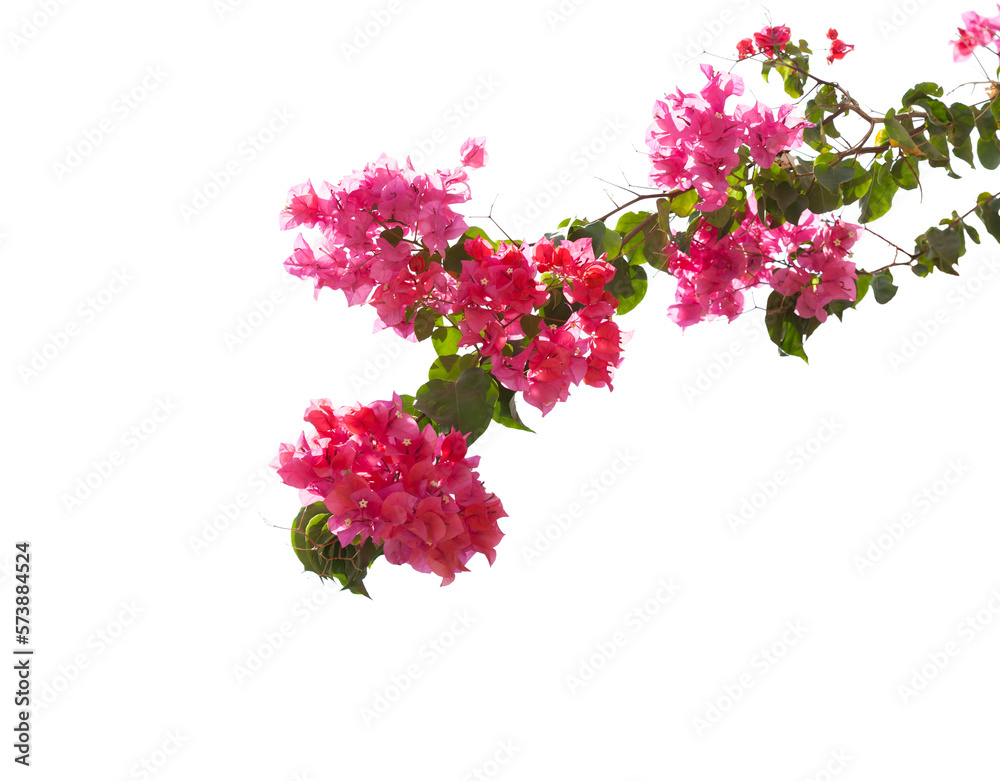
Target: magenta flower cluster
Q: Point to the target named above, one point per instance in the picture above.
(694, 140)
(383, 478)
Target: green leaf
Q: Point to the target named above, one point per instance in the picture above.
(973, 233)
(882, 287)
(858, 186)
(787, 329)
(445, 340)
(505, 411)
(831, 177)
(963, 123)
(626, 224)
(790, 201)
(988, 152)
(941, 249)
(628, 285)
(682, 205)
(905, 172)
(949, 244)
(988, 211)
(986, 124)
(964, 152)
(652, 248)
(556, 310)
(450, 367)
(822, 200)
(595, 231)
(898, 133)
(302, 546)
(794, 81)
(467, 403)
(720, 218)
(530, 325)
(320, 551)
(424, 323)
(924, 89)
(318, 531)
(393, 235)
(878, 200)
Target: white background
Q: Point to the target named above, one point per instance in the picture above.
(170, 634)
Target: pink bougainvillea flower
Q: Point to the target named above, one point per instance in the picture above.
(381, 228)
(694, 140)
(745, 48)
(838, 49)
(411, 490)
(473, 152)
(982, 28)
(978, 31)
(771, 38)
(964, 46)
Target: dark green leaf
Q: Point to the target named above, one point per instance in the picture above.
(831, 177)
(988, 152)
(424, 323)
(988, 210)
(822, 200)
(595, 231)
(964, 152)
(963, 123)
(505, 411)
(320, 551)
(393, 235)
(467, 403)
(973, 233)
(787, 329)
(628, 285)
(882, 287)
(859, 185)
(905, 172)
(530, 325)
(922, 90)
(949, 244)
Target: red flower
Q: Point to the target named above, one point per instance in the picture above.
(745, 48)
(832, 34)
(771, 38)
(838, 49)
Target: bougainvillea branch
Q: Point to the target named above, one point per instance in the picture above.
(747, 197)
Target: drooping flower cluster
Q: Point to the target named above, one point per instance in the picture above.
(809, 258)
(384, 232)
(586, 347)
(821, 272)
(978, 31)
(498, 288)
(412, 491)
(694, 140)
